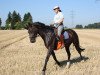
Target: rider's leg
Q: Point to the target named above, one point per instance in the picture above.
(60, 28)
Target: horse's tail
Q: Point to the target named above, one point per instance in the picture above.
(75, 39)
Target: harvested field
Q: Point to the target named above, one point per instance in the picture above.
(20, 57)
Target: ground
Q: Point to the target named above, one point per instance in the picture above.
(20, 57)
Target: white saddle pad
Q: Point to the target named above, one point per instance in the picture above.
(66, 36)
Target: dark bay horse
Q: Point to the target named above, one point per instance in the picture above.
(49, 37)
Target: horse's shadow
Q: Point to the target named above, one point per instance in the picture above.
(74, 60)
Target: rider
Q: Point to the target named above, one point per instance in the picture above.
(58, 20)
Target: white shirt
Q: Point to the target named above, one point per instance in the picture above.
(58, 17)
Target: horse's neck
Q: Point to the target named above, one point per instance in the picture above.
(46, 36)
(42, 34)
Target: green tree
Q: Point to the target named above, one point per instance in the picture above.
(79, 26)
(27, 19)
(93, 26)
(14, 20)
(0, 23)
(98, 25)
(19, 17)
(8, 21)
(85, 27)
(18, 25)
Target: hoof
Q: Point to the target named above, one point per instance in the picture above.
(43, 72)
(68, 64)
(59, 64)
(81, 58)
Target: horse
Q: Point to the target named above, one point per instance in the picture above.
(49, 37)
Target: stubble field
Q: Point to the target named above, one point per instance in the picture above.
(20, 57)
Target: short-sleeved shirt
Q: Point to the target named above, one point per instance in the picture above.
(58, 17)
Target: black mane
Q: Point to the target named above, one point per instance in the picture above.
(42, 25)
(38, 24)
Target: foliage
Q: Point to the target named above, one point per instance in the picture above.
(18, 25)
(27, 19)
(93, 26)
(2, 27)
(0, 23)
(8, 21)
(14, 20)
(79, 26)
(89, 26)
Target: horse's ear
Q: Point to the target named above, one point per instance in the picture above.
(28, 25)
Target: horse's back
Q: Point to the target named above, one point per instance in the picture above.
(70, 32)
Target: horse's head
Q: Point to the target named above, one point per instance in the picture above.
(33, 31)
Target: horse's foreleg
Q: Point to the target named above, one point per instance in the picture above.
(46, 60)
(54, 57)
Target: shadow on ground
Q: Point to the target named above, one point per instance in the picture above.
(74, 60)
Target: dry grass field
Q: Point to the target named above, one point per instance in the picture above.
(20, 57)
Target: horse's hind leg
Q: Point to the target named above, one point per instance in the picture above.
(79, 51)
(67, 44)
(54, 57)
(69, 54)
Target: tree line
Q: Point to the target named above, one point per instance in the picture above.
(0, 23)
(15, 22)
(89, 26)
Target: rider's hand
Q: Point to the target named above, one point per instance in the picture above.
(59, 23)
(52, 25)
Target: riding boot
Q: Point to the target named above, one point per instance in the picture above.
(62, 40)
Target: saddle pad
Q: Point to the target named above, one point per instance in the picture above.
(66, 36)
(60, 43)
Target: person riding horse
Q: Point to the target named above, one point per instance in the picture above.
(49, 38)
(58, 22)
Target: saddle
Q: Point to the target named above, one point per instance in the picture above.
(59, 43)
(64, 35)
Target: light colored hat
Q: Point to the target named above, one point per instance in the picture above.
(56, 7)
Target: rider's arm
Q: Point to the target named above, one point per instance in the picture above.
(61, 21)
(61, 18)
